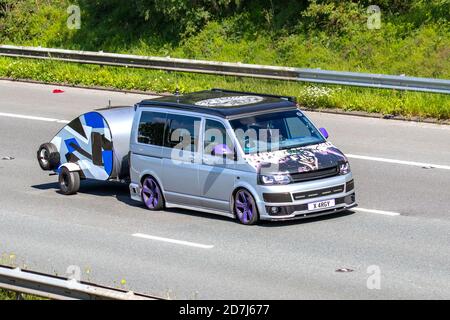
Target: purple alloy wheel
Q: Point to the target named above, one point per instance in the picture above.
(151, 194)
(244, 206)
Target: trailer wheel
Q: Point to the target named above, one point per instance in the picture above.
(69, 182)
(48, 156)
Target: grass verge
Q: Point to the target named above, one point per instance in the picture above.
(10, 295)
(392, 102)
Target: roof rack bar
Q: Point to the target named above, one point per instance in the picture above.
(288, 98)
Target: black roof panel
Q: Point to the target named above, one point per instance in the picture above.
(222, 103)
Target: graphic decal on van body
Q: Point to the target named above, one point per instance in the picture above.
(87, 142)
(302, 159)
(230, 101)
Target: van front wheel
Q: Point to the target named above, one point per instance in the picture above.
(245, 207)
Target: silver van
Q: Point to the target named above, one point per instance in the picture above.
(242, 155)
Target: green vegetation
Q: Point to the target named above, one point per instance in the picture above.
(10, 259)
(9, 295)
(414, 39)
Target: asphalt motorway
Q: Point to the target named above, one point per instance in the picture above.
(396, 244)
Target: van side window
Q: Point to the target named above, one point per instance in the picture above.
(151, 128)
(216, 137)
(181, 132)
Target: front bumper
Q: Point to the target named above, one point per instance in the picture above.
(303, 214)
(296, 197)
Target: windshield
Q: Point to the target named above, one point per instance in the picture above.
(275, 131)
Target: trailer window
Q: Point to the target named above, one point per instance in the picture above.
(151, 128)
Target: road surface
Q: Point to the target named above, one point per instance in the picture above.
(401, 230)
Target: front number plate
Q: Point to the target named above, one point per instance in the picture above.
(321, 204)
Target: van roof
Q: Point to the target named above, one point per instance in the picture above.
(223, 103)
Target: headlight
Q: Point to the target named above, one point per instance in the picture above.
(275, 179)
(344, 168)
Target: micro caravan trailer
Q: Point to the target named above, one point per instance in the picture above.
(298, 174)
(93, 146)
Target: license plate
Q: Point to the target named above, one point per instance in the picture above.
(321, 204)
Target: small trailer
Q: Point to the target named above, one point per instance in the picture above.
(94, 145)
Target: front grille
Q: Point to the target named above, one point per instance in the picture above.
(314, 175)
(277, 197)
(287, 210)
(318, 193)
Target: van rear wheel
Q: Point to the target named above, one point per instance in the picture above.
(151, 194)
(69, 182)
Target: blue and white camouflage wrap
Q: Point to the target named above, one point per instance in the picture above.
(87, 141)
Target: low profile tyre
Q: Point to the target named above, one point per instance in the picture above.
(245, 207)
(69, 182)
(151, 194)
(48, 156)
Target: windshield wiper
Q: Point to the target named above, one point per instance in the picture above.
(302, 145)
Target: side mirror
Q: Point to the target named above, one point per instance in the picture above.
(324, 132)
(221, 150)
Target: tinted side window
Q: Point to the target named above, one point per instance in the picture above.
(151, 128)
(181, 132)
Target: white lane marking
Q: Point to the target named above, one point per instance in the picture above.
(21, 116)
(184, 243)
(408, 163)
(386, 213)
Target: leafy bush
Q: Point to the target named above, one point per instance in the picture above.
(334, 17)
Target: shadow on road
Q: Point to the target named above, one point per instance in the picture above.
(121, 192)
(274, 224)
(97, 188)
